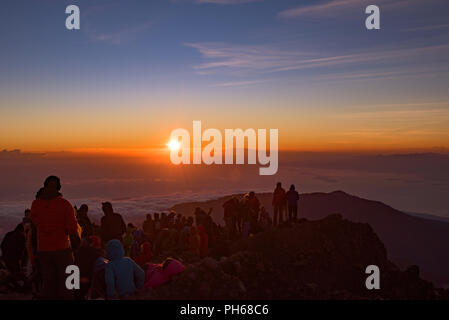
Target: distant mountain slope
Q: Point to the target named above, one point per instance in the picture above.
(408, 239)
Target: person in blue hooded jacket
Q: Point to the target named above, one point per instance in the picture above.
(122, 275)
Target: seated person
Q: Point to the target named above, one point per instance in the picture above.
(123, 276)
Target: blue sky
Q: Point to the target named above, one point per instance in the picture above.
(298, 57)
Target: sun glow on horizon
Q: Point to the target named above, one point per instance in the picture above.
(174, 145)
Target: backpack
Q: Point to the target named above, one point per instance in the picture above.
(97, 290)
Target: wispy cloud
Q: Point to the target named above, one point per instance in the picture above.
(428, 28)
(245, 83)
(321, 8)
(333, 7)
(228, 58)
(225, 2)
(121, 35)
(370, 75)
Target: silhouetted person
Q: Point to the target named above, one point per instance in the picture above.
(145, 254)
(230, 215)
(84, 221)
(27, 216)
(54, 218)
(13, 252)
(292, 201)
(245, 215)
(13, 248)
(112, 224)
(148, 226)
(278, 204)
(204, 241)
(89, 251)
(254, 205)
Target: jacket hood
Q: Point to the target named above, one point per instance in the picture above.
(193, 230)
(172, 267)
(114, 250)
(48, 194)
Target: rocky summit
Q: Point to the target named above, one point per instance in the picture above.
(322, 259)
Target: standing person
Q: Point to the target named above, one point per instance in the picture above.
(54, 218)
(148, 226)
(292, 200)
(278, 204)
(128, 239)
(245, 215)
(84, 221)
(230, 212)
(194, 241)
(204, 241)
(254, 205)
(112, 224)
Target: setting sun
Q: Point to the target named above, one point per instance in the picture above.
(174, 145)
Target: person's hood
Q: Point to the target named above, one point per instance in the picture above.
(137, 234)
(114, 250)
(96, 242)
(48, 194)
(129, 230)
(146, 248)
(201, 229)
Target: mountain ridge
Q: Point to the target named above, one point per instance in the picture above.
(408, 239)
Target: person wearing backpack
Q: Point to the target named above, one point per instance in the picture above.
(112, 224)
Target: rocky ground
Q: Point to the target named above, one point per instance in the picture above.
(324, 259)
(321, 259)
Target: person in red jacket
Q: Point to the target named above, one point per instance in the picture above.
(145, 254)
(279, 204)
(54, 218)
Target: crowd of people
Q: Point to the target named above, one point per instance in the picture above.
(116, 259)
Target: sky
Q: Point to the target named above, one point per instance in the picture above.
(138, 69)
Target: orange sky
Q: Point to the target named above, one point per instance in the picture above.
(382, 127)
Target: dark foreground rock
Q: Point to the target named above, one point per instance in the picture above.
(324, 259)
